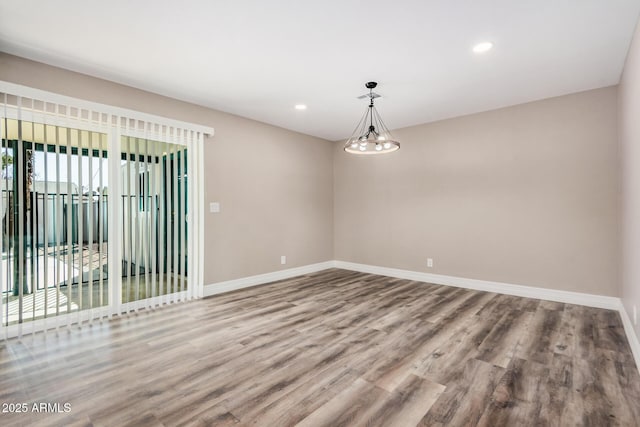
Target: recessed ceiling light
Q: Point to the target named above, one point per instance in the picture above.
(482, 47)
(300, 107)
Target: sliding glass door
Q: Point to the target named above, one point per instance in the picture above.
(154, 219)
(55, 195)
(99, 211)
(54, 220)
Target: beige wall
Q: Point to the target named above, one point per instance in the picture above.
(275, 186)
(524, 195)
(629, 96)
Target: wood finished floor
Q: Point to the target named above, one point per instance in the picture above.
(335, 348)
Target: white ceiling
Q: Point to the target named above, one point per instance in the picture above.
(259, 58)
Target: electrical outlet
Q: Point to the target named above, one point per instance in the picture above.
(430, 262)
(283, 259)
(635, 315)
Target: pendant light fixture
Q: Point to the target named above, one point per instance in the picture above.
(371, 136)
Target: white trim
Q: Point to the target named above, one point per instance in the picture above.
(579, 298)
(632, 338)
(589, 300)
(260, 279)
(42, 95)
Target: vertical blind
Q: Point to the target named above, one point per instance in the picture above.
(102, 210)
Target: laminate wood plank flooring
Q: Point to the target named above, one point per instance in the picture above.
(334, 348)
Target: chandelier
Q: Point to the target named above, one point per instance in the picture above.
(371, 136)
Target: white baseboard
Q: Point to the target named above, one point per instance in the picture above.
(589, 300)
(634, 343)
(245, 282)
(579, 298)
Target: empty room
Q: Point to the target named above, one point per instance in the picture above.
(338, 213)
